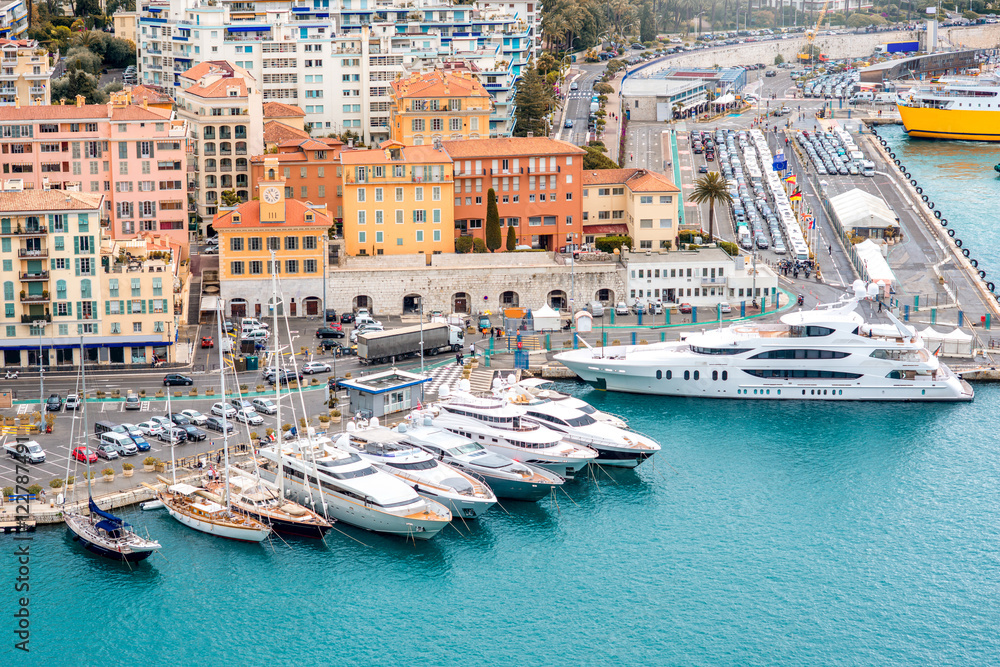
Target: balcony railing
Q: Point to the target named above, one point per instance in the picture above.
(33, 254)
(30, 231)
(37, 275)
(35, 298)
(37, 90)
(28, 319)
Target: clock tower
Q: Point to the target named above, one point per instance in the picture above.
(271, 190)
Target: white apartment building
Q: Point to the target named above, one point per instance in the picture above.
(704, 277)
(336, 58)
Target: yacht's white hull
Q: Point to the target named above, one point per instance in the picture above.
(247, 534)
(460, 506)
(360, 515)
(632, 377)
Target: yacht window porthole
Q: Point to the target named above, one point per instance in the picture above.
(841, 392)
(803, 392)
(670, 374)
(725, 375)
(659, 375)
(769, 391)
(715, 375)
(696, 375)
(687, 375)
(779, 392)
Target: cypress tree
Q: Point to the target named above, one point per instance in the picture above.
(511, 240)
(492, 221)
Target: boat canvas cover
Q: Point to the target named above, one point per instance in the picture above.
(183, 489)
(111, 523)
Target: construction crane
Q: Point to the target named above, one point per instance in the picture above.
(811, 36)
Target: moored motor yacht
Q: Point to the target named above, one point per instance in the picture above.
(501, 427)
(508, 478)
(354, 491)
(542, 388)
(388, 450)
(830, 353)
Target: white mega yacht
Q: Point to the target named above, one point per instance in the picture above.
(542, 388)
(387, 450)
(501, 427)
(830, 353)
(615, 446)
(354, 492)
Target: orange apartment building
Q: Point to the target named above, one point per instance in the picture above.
(439, 106)
(538, 182)
(311, 170)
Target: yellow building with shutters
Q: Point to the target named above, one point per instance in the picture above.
(272, 235)
(442, 106)
(398, 200)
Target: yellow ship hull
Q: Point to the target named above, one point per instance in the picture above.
(961, 124)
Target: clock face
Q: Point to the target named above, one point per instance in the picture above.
(272, 195)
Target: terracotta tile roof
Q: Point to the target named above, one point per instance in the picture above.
(408, 154)
(329, 143)
(133, 112)
(54, 112)
(282, 110)
(295, 212)
(502, 147)
(293, 156)
(209, 67)
(276, 132)
(25, 43)
(220, 88)
(439, 84)
(48, 200)
(638, 180)
(151, 95)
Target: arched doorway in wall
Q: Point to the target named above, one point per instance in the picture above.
(312, 305)
(509, 299)
(238, 307)
(364, 301)
(460, 302)
(557, 299)
(411, 303)
(605, 296)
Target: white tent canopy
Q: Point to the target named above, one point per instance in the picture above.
(858, 209)
(952, 344)
(728, 98)
(874, 263)
(545, 319)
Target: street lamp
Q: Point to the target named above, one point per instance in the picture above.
(421, 300)
(41, 368)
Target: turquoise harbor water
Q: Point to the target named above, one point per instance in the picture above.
(958, 177)
(763, 533)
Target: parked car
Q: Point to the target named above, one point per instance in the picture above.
(574, 86)
(249, 417)
(107, 451)
(365, 328)
(347, 317)
(72, 402)
(194, 416)
(131, 430)
(684, 308)
(241, 404)
(568, 123)
(173, 435)
(331, 315)
(228, 326)
(329, 332)
(149, 429)
(725, 308)
(141, 443)
(223, 410)
(85, 454)
(621, 308)
(207, 342)
(132, 402)
(193, 433)
(176, 379)
(178, 419)
(219, 424)
(264, 406)
(315, 367)
(54, 403)
(163, 422)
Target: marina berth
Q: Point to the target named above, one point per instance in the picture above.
(262, 501)
(953, 108)
(344, 486)
(502, 427)
(506, 477)
(830, 353)
(389, 451)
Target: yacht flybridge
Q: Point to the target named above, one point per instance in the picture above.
(830, 353)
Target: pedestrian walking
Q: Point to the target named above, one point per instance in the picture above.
(831, 251)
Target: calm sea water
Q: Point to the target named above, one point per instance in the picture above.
(763, 533)
(958, 177)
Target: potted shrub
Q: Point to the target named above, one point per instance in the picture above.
(70, 483)
(177, 394)
(303, 423)
(285, 428)
(116, 393)
(210, 392)
(335, 416)
(128, 469)
(148, 463)
(56, 484)
(260, 388)
(35, 489)
(50, 420)
(160, 466)
(109, 474)
(192, 392)
(269, 432)
(243, 388)
(159, 393)
(92, 475)
(314, 381)
(294, 384)
(8, 491)
(100, 394)
(142, 393)
(324, 420)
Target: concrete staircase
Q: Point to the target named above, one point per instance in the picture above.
(194, 301)
(481, 379)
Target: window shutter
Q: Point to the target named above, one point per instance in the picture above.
(143, 305)
(53, 264)
(107, 307)
(138, 149)
(121, 306)
(76, 246)
(79, 308)
(151, 148)
(93, 306)
(129, 305)
(91, 247)
(69, 308)
(76, 263)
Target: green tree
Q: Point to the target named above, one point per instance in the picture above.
(81, 58)
(711, 188)
(859, 21)
(77, 82)
(230, 198)
(119, 52)
(602, 88)
(463, 244)
(596, 159)
(493, 239)
(511, 240)
(778, 59)
(609, 243)
(647, 24)
(478, 245)
(86, 8)
(534, 99)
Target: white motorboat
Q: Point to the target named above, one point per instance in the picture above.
(831, 353)
(501, 427)
(353, 490)
(542, 388)
(388, 450)
(508, 478)
(614, 446)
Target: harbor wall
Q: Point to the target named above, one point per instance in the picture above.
(385, 285)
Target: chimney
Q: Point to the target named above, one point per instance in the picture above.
(145, 102)
(530, 135)
(17, 102)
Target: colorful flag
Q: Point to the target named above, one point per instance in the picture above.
(790, 179)
(796, 196)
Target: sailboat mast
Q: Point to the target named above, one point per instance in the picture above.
(170, 437)
(280, 473)
(86, 449)
(222, 380)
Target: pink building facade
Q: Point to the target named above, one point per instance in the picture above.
(133, 155)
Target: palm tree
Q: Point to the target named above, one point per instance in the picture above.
(711, 188)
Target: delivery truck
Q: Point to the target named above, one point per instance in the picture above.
(898, 47)
(26, 451)
(382, 346)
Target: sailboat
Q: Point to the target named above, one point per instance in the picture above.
(99, 531)
(199, 509)
(261, 500)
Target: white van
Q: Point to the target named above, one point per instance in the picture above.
(856, 156)
(885, 98)
(252, 323)
(868, 168)
(125, 445)
(256, 335)
(862, 97)
(596, 308)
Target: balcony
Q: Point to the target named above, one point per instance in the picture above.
(37, 90)
(33, 254)
(30, 277)
(30, 319)
(35, 298)
(31, 231)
